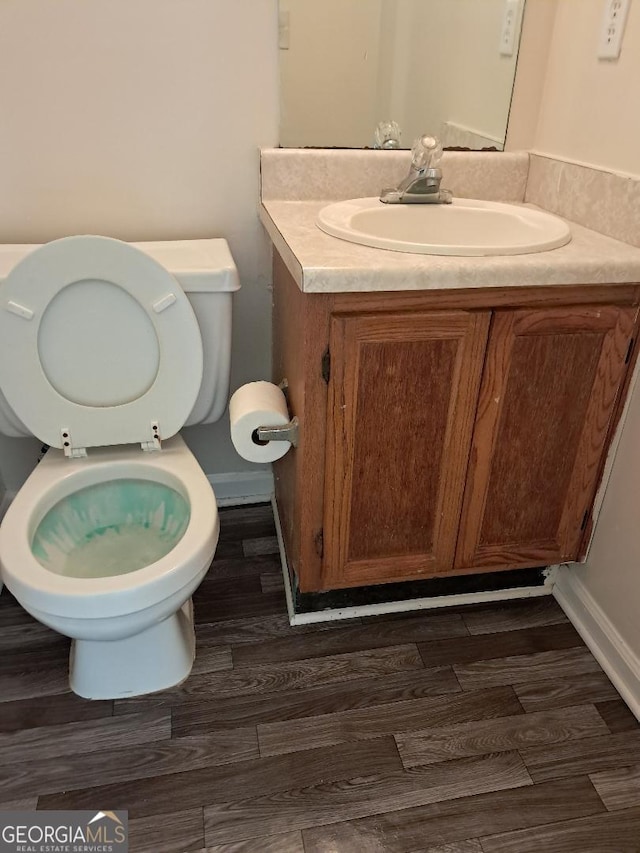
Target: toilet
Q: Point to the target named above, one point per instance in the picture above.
(107, 349)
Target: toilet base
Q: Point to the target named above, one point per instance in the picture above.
(156, 659)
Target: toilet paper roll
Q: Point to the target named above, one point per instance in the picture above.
(254, 405)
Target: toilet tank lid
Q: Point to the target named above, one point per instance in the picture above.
(199, 266)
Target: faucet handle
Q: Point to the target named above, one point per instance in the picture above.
(387, 135)
(426, 153)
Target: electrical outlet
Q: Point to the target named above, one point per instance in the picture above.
(613, 22)
(510, 18)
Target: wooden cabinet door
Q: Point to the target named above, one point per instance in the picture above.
(548, 393)
(402, 399)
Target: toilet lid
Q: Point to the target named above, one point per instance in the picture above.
(98, 343)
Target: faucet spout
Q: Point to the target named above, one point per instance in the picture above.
(422, 184)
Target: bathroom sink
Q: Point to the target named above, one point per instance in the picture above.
(464, 227)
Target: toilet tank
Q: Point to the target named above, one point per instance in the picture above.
(207, 273)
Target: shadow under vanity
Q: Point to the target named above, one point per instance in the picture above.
(456, 413)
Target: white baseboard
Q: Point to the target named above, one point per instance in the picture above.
(619, 662)
(242, 487)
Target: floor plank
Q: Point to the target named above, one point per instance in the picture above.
(362, 724)
(352, 639)
(498, 735)
(85, 736)
(261, 777)
(527, 641)
(525, 668)
(260, 546)
(586, 756)
(617, 715)
(24, 635)
(618, 789)
(513, 615)
(63, 708)
(592, 687)
(292, 675)
(607, 833)
(407, 830)
(198, 717)
(288, 842)
(212, 659)
(168, 833)
(242, 567)
(35, 683)
(246, 522)
(25, 804)
(325, 803)
(271, 582)
(257, 629)
(163, 758)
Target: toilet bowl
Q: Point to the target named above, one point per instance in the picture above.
(107, 540)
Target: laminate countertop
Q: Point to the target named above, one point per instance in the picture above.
(320, 263)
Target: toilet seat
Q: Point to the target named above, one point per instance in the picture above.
(105, 346)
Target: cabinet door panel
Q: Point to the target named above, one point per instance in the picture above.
(548, 393)
(402, 400)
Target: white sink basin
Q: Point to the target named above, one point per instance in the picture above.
(465, 227)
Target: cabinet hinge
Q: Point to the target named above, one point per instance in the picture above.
(629, 350)
(326, 366)
(585, 518)
(319, 543)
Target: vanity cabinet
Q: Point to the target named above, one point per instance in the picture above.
(444, 432)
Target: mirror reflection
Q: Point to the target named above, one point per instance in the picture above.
(445, 67)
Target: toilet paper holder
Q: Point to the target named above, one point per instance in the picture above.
(286, 432)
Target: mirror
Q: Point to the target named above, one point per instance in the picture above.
(444, 67)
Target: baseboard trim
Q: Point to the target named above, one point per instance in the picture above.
(607, 646)
(242, 487)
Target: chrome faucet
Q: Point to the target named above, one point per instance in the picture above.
(422, 184)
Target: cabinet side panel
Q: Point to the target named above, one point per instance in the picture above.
(300, 337)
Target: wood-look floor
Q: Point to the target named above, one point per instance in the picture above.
(488, 729)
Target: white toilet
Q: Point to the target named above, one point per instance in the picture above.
(106, 351)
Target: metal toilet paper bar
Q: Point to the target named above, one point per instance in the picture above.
(286, 432)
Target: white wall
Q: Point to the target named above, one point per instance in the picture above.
(589, 113)
(329, 73)
(142, 120)
(456, 72)
(533, 57)
(353, 63)
(591, 108)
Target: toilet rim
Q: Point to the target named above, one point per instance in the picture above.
(118, 595)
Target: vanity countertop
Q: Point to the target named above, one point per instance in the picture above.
(320, 263)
